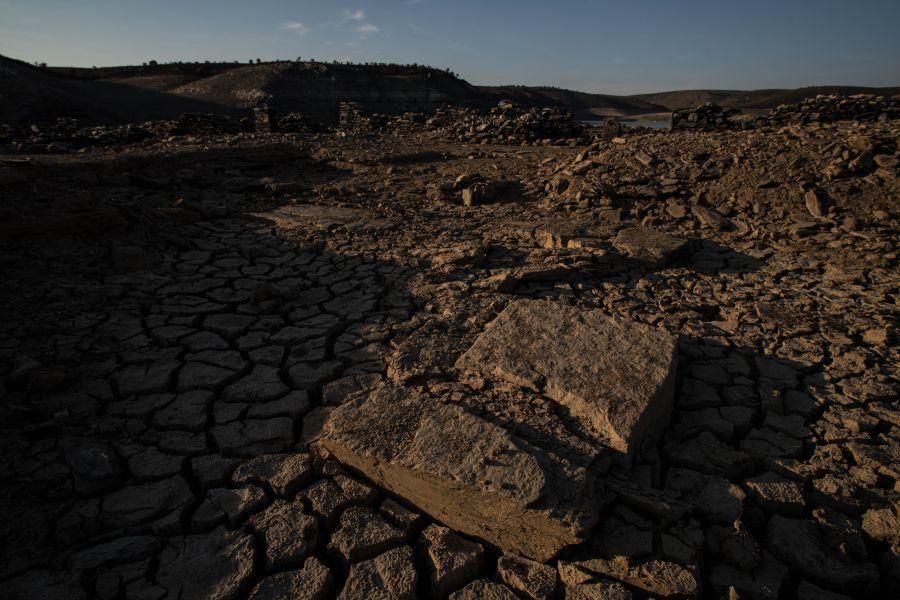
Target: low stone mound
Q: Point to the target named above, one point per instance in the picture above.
(827, 109)
(706, 117)
(507, 123)
(206, 123)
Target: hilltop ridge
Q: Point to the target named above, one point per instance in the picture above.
(315, 89)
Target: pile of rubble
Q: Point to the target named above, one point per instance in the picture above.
(473, 190)
(407, 123)
(821, 109)
(68, 135)
(295, 123)
(205, 124)
(657, 172)
(268, 120)
(353, 121)
(827, 109)
(708, 117)
(507, 123)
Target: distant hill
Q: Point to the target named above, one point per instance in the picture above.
(312, 88)
(582, 104)
(316, 89)
(755, 99)
(30, 94)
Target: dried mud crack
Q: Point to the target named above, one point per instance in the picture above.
(389, 365)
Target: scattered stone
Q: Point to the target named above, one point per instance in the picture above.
(815, 204)
(529, 578)
(286, 474)
(408, 521)
(451, 561)
(580, 584)
(709, 217)
(707, 117)
(326, 499)
(483, 590)
(356, 491)
(649, 245)
(777, 494)
(390, 576)
(312, 582)
(289, 535)
(362, 535)
(229, 505)
(660, 578)
(882, 524)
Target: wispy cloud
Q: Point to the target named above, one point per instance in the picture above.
(347, 20)
(367, 29)
(353, 15)
(297, 27)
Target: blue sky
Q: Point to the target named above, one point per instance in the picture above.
(601, 46)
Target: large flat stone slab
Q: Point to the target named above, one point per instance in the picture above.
(465, 471)
(616, 377)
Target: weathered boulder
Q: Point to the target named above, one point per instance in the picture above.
(616, 377)
(464, 471)
(649, 245)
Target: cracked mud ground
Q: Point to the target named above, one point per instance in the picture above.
(180, 318)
